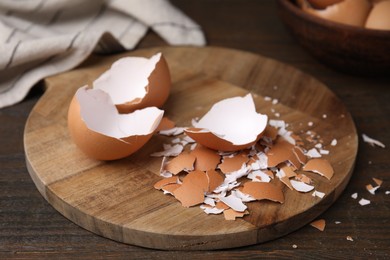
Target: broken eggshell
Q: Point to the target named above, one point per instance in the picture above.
(136, 82)
(101, 132)
(231, 124)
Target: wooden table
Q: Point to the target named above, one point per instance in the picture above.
(31, 228)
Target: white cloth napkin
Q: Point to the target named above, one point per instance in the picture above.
(39, 38)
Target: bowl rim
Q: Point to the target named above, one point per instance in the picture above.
(289, 5)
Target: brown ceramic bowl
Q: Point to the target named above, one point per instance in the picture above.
(345, 48)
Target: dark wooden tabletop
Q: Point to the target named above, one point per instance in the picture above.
(32, 228)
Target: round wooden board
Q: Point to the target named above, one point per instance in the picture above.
(117, 199)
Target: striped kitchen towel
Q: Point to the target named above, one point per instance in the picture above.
(39, 38)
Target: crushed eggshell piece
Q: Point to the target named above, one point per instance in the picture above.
(354, 195)
(161, 183)
(301, 186)
(304, 178)
(364, 202)
(263, 190)
(372, 141)
(319, 224)
(371, 189)
(349, 238)
(280, 152)
(234, 203)
(319, 194)
(221, 205)
(211, 210)
(197, 178)
(170, 188)
(182, 162)
(377, 181)
(313, 153)
(320, 166)
(215, 179)
(286, 181)
(231, 214)
(234, 163)
(189, 195)
(300, 155)
(206, 159)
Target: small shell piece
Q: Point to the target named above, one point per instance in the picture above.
(320, 166)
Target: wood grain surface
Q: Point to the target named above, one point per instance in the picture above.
(117, 200)
(30, 228)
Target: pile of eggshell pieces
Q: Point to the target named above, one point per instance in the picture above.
(370, 14)
(228, 158)
(104, 119)
(233, 156)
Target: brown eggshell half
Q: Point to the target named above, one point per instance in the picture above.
(157, 88)
(157, 91)
(99, 146)
(214, 142)
(231, 124)
(351, 12)
(379, 17)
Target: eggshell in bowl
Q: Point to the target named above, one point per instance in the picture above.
(379, 17)
(321, 4)
(351, 12)
(136, 82)
(101, 132)
(231, 125)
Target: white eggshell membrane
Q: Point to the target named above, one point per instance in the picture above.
(234, 120)
(125, 72)
(100, 115)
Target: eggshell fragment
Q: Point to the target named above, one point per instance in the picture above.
(372, 189)
(364, 202)
(136, 82)
(372, 141)
(189, 195)
(234, 203)
(350, 12)
(206, 159)
(378, 181)
(234, 163)
(301, 186)
(231, 214)
(101, 132)
(320, 166)
(319, 224)
(280, 152)
(379, 17)
(231, 125)
(263, 190)
(214, 179)
(221, 205)
(197, 178)
(183, 162)
(170, 188)
(161, 183)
